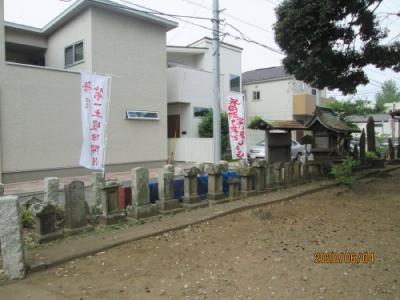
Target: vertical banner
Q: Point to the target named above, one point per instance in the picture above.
(237, 123)
(94, 110)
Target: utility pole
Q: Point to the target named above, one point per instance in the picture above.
(216, 73)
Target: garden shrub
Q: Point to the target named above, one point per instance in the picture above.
(27, 219)
(343, 171)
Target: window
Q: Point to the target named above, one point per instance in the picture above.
(256, 95)
(314, 92)
(201, 111)
(235, 83)
(142, 115)
(74, 54)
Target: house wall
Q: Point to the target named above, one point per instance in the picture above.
(78, 29)
(140, 83)
(189, 60)
(230, 63)
(192, 149)
(42, 130)
(18, 36)
(275, 100)
(2, 70)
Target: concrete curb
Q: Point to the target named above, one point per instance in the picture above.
(107, 245)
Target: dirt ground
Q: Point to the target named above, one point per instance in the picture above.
(265, 253)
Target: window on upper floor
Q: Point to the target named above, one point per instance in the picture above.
(235, 83)
(73, 54)
(256, 95)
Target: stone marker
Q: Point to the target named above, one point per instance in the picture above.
(169, 168)
(269, 177)
(287, 172)
(75, 208)
(97, 180)
(191, 200)
(215, 183)
(166, 193)
(32, 200)
(141, 206)
(225, 164)
(1, 189)
(246, 181)
(296, 171)
(278, 174)
(259, 167)
(12, 243)
(201, 167)
(109, 196)
(44, 215)
(233, 188)
(51, 190)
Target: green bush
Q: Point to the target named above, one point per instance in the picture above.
(27, 219)
(206, 131)
(343, 171)
(60, 215)
(370, 156)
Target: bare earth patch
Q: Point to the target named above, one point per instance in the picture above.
(265, 253)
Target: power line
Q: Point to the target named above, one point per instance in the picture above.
(231, 16)
(249, 40)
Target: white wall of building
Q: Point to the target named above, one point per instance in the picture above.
(25, 37)
(192, 149)
(78, 29)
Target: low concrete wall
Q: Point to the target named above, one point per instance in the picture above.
(191, 149)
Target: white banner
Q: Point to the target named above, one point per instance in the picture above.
(237, 123)
(94, 109)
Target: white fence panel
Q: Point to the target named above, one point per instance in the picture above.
(191, 149)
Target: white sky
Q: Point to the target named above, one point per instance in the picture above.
(253, 17)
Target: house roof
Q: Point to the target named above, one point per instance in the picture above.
(364, 119)
(261, 124)
(265, 74)
(208, 39)
(80, 5)
(327, 118)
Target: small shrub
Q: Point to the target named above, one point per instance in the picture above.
(27, 219)
(370, 156)
(342, 172)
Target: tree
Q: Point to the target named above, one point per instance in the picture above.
(206, 129)
(327, 43)
(351, 107)
(389, 93)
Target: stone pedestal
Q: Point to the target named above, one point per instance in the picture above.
(112, 214)
(233, 189)
(44, 215)
(75, 208)
(169, 168)
(141, 206)
(269, 178)
(191, 200)
(215, 183)
(51, 190)
(11, 240)
(247, 181)
(167, 202)
(259, 167)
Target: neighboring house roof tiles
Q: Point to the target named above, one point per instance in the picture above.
(262, 124)
(364, 119)
(80, 5)
(265, 74)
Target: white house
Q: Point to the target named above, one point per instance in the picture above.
(40, 133)
(383, 125)
(273, 94)
(190, 94)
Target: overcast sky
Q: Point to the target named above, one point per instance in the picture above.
(254, 18)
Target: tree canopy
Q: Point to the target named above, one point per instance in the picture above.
(351, 107)
(389, 93)
(328, 42)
